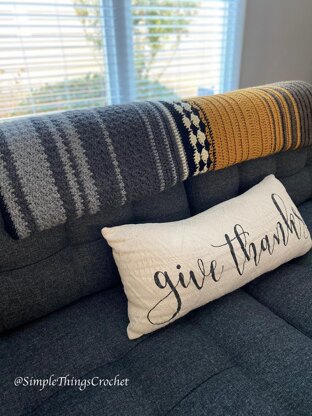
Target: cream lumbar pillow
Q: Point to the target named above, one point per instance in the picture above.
(168, 269)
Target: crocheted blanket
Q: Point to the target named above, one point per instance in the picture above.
(62, 166)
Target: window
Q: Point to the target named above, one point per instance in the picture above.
(57, 55)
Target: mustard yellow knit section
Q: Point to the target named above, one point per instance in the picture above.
(250, 123)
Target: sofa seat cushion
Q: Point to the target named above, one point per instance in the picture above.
(249, 353)
(233, 356)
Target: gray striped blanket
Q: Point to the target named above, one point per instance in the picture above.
(63, 166)
(57, 167)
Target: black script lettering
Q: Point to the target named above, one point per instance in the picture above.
(241, 236)
(173, 291)
(292, 220)
(241, 250)
(291, 224)
(167, 282)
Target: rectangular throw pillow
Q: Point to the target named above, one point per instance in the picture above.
(168, 269)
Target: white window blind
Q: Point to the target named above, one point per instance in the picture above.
(50, 57)
(185, 47)
(66, 54)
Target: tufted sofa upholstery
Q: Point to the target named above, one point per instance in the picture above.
(63, 311)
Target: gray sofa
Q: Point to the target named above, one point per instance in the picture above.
(63, 312)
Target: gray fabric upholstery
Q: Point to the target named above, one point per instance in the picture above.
(56, 267)
(248, 353)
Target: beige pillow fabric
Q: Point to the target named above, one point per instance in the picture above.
(169, 269)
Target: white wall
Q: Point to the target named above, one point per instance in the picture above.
(277, 42)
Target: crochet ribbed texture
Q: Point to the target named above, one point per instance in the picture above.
(62, 166)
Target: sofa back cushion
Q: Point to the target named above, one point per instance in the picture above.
(53, 268)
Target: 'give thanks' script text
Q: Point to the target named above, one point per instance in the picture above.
(242, 249)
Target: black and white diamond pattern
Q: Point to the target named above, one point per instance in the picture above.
(197, 136)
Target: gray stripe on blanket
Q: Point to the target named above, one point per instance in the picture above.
(176, 140)
(69, 172)
(79, 155)
(11, 202)
(40, 190)
(153, 146)
(163, 144)
(113, 157)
